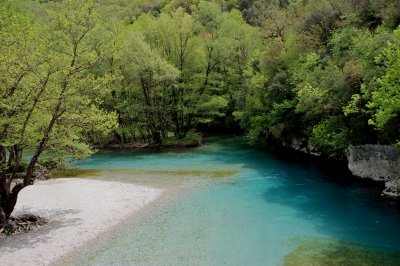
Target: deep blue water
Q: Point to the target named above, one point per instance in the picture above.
(272, 206)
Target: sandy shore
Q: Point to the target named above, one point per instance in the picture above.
(77, 209)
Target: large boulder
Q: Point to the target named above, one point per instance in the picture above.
(377, 162)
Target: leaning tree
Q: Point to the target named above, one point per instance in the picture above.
(51, 89)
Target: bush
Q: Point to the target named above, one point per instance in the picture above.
(330, 136)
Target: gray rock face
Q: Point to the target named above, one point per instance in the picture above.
(298, 145)
(378, 162)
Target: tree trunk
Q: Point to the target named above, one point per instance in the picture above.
(8, 203)
(11, 157)
(12, 201)
(28, 180)
(2, 217)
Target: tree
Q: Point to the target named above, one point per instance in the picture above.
(385, 100)
(51, 99)
(318, 20)
(17, 55)
(147, 79)
(209, 48)
(274, 18)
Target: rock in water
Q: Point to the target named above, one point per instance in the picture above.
(392, 189)
(377, 162)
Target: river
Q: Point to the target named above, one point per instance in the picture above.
(235, 204)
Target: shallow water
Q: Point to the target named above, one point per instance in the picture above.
(270, 210)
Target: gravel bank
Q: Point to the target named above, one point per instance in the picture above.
(78, 210)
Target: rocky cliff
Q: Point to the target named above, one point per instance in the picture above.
(377, 162)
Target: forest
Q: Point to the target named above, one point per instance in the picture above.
(75, 74)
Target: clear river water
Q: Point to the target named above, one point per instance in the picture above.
(236, 204)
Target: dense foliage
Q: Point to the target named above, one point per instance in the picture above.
(328, 69)
(317, 74)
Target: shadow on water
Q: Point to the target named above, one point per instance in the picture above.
(361, 226)
(338, 204)
(322, 191)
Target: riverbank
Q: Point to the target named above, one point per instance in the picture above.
(77, 211)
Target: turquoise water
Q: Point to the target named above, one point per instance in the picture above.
(274, 206)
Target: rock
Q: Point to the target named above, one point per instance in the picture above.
(302, 146)
(294, 144)
(311, 149)
(392, 189)
(377, 162)
(23, 223)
